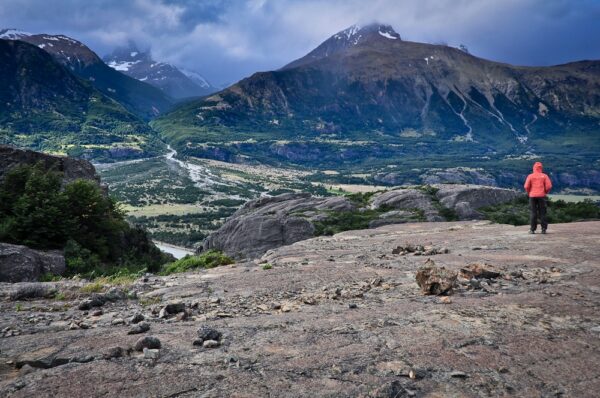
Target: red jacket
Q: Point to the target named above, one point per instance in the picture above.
(537, 184)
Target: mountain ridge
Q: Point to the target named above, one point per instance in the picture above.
(372, 101)
(140, 65)
(46, 107)
(140, 98)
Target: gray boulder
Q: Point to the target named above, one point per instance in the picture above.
(271, 222)
(407, 199)
(466, 199)
(22, 264)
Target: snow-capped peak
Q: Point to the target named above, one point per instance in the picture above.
(13, 34)
(351, 34)
(356, 33)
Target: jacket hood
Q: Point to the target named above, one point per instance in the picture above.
(537, 167)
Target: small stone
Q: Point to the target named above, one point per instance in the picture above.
(475, 284)
(73, 326)
(141, 327)
(95, 301)
(174, 308)
(445, 300)
(137, 318)
(276, 306)
(118, 321)
(435, 280)
(215, 300)
(97, 313)
(412, 374)
(352, 306)
(147, 342)
(182, 316)
(457, 374)
(151, 353)
(286, 308)
(115, 294)
(114, 352)
(208, 333)
(26, 369)
(210, 344)
(376, 281)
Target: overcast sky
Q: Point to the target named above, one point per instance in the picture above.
(226, 40)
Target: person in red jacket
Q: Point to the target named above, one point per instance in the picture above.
(537, 186)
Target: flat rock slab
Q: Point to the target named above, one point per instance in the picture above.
(335, 316)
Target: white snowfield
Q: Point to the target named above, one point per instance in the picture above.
(387, 35)
(13, 34)
(122, 66)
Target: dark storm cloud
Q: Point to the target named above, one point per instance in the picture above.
(229, 39)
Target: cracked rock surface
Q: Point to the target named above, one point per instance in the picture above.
(334, 316)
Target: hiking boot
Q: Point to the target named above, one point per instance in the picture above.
(543, 231)
(531, 231)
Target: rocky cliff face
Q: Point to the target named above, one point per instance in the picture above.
(71, 168)
(271, 222)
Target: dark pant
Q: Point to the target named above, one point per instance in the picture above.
(538, 209)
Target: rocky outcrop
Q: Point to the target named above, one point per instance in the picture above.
(271, 222)
(338, 316)
(466, 199)
(410, 198)
(22, 264)
(71, 168)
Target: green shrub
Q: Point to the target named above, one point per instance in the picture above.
(517, 211)
(94, 287)
(339, 221)
(267, 266)
(37, 211)
(361, 199)
(209, 259)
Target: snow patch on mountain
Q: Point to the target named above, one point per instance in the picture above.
(13, 34)
(387, 35)
(122, 66)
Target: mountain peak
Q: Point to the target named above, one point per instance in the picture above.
(348, 38)
(355, 33)
(13, 34)
(139, 64)
(128, 53)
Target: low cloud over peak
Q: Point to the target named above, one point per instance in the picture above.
(229, 39)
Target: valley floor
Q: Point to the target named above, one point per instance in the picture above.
(329, 317)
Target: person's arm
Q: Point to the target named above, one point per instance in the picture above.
(547, 185)
(527, 185)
